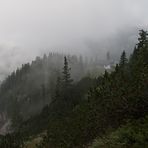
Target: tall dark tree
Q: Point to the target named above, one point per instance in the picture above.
(123, 59)
(66, 74)
(143, 39)
(140, 54)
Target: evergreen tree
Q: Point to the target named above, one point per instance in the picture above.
(66, 74)
(139, 58)
(123, 59)
(117, 68)
(143, 39)
(141, 49)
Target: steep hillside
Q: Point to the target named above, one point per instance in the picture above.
(32, 86)
(114, 105)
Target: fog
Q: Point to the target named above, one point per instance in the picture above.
(32, 27)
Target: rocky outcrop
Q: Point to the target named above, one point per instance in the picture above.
(5, 124)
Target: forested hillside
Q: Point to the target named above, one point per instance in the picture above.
(111, 108)
(28, 89)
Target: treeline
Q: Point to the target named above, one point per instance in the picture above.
(60, 106)
(32, 86)
(68, 94)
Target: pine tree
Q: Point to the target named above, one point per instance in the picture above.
(117, 68)
(140, 54)
(66, 74)
(123, 59)
(143, 39)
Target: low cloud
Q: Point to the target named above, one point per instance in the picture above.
(32, 27)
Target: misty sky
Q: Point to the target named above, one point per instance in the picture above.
(32, 27)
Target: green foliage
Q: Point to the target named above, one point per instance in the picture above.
(117, 97)
(143, 39)
(56, 109)
(123, 59)
(66, 74)
(134, 135)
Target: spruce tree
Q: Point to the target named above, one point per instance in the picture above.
(66, 74)
(140, 54)
(123, 59)
(117, 68)
(143, 39)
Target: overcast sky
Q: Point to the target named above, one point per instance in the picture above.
(31, 27)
